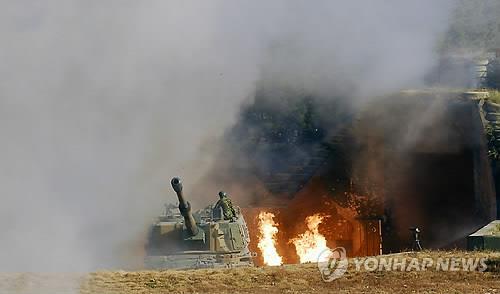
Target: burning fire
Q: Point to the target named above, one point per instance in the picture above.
(267, 243)
(310, 244)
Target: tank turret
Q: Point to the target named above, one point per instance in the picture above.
(182, 239)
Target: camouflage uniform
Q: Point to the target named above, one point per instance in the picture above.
(227, 206)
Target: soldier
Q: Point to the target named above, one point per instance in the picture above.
(416, 239)
(226, 205)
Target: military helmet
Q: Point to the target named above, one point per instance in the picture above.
(222, 194)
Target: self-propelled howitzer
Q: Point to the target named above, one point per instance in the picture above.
(181, 239)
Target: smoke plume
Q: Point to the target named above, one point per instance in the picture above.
(102, 102)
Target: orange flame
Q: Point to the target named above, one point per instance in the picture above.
(267, 243)
(311, 244)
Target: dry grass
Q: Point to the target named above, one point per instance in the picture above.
(284, 279)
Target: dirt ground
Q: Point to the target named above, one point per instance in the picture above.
(283, 279)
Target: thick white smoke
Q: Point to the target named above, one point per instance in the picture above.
(101, 102)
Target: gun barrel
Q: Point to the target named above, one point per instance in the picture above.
(185, 208)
